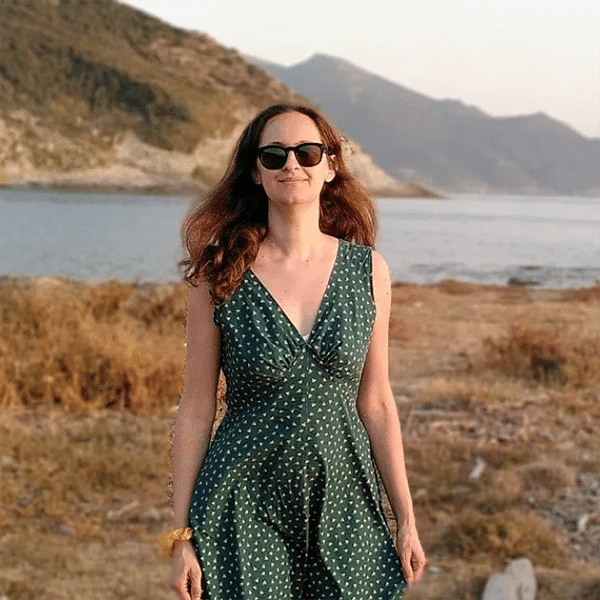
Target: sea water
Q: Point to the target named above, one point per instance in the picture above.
(546, 241)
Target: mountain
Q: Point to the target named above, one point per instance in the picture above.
(98, 94)
(446, 143)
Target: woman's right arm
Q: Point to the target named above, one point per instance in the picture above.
(195, 417)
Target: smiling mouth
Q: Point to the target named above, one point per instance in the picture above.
(291, 180)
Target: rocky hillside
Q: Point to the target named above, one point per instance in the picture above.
(445, 143)
(98, 94)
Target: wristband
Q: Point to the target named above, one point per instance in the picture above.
(167, 540)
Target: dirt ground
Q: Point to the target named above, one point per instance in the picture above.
(498, 393)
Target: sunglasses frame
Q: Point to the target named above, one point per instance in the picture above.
(287, 150)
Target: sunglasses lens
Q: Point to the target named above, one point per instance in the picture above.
(309, 155)
(273, 157)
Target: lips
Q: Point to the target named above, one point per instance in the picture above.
(291, 180)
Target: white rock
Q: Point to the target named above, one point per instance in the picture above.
(522, 570)
(582, 522)
(500, 586)
(517, 582)
(478, 469)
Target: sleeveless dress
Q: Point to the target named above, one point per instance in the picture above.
(287, 505)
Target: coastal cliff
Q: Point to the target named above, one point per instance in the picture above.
(100, 95)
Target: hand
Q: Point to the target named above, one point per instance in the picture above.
(185, 574)
(411, 553)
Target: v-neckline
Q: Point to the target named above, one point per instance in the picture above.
(321, 304)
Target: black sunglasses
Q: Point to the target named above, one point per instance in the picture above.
(308, 154)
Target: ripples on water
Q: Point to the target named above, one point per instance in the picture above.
(550, 242)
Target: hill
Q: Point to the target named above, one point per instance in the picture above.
(446, 143)
(98, 94)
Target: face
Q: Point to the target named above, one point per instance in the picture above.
(293, 183)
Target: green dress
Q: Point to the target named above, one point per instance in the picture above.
(287, 505)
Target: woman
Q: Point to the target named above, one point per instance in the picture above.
(288, 297)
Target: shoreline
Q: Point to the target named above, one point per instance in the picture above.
(450, 285)
(187, 188)
(182, 189)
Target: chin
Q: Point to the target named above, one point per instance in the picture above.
(291, 199)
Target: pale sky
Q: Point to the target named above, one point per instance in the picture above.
(507, 57)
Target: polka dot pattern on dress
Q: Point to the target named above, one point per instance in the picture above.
(287, 504)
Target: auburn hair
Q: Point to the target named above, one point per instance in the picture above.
(223, 234)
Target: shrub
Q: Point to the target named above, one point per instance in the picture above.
(508, 534)
(87, 347)
(549, 354)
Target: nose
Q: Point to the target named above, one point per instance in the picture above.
(291, 161)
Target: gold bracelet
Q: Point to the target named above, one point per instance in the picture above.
(167, 540)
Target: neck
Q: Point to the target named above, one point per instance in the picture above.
(294, 234)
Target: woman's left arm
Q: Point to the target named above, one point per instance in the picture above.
(376, 408)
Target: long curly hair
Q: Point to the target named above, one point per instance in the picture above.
(223, 235)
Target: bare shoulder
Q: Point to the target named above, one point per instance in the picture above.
(381, 273)
(199, 292)
(199, 304)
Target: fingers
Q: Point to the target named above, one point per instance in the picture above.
(195, 588)
(180, 588)
(407, 567)
(417, 564)
(187, 586)
(412, 557)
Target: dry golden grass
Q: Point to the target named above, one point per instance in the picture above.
(550, 476)
(590, 294)
(536, 436)
(453, 286)
(90, 375)
(559, 353)
(505, 534)
(89, 347)
(76, 491)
